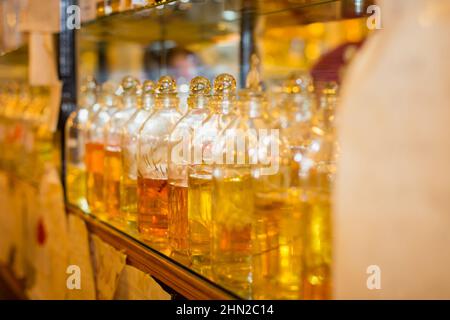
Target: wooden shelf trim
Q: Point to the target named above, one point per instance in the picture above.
(180, 279)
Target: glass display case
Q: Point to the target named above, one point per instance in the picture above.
(189, 38)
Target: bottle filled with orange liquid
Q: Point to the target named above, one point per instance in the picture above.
(153, 189)
(181, 155)
(129, 143)
(95, 154)
(200, 181)
(113, 150)
(75, 139)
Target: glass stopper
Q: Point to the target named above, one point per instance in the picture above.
(225, 84)
(200, 86)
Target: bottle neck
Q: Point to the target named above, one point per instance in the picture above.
(167, 101)
(148, 102)
(198, 102)
(224, 104)
(88, 100)
(130, 101)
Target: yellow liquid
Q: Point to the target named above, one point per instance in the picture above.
(178, 218)
(76, 187)
(95, 187)
(318, 247)
(231, 232)
(278, 245)
(128, 199)
(113, 172)
(199, 218)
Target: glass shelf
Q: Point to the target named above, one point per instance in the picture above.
(173, 271)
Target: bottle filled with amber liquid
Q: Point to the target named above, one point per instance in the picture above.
(75, 139)
(95, 153)
(129, 143)
(181, 151)
(153, 188)
(113, 149)
(200, 179)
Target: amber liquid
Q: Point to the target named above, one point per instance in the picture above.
(113, 172)
(199, 218)
(153, 209)
(278, 245)
(76, 187)
(95, 187)
(178, 218)
(231, 232)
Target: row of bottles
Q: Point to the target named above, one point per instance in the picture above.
(240, 183)
(26, 142)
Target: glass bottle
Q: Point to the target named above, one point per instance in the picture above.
(153, 162)
(317, 173)
(130, 137)
(223, 111)
(180, 156)
(75, 139)
(279, 213)
(95, 154)
(113, 151)
(233, 201)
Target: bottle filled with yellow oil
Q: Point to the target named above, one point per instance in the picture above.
(200, 171)
(113, 150)
(75, 140)
(238, 154)
(129, 143)
(180, 156)
(317, 172)
(95, 153)
(153, 188)
(279, 213)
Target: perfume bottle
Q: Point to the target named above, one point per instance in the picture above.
(316, 178)
(129, 143)
(180, 156)
(113, 151)
(75, 140)
(279, 211)
(200, 182)
(108, 102)
(153, 146)
(233, 188)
